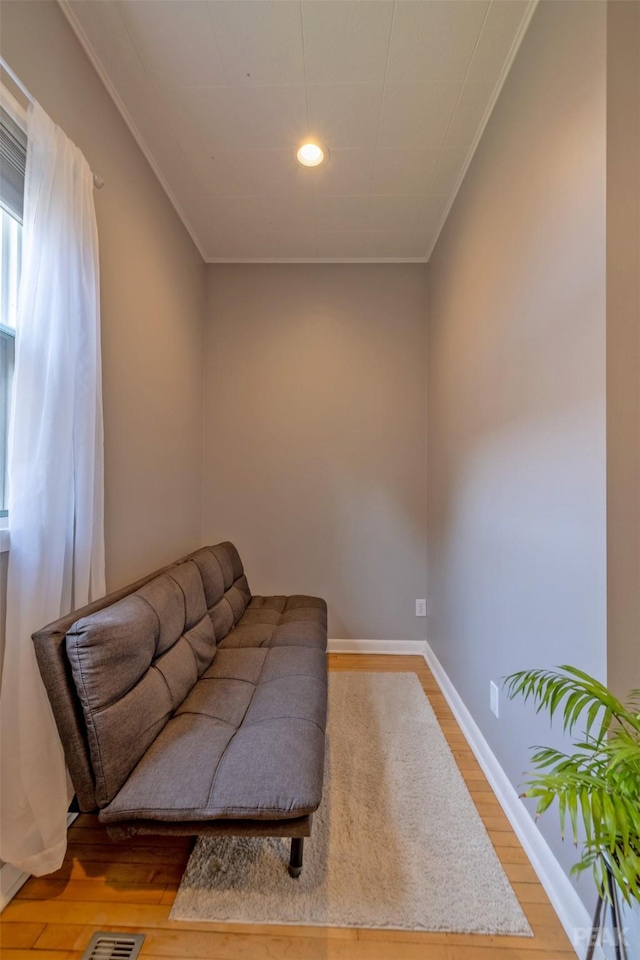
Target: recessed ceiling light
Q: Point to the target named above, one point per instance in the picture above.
(312, 154)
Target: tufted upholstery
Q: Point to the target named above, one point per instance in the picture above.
(133, 664)
(281, 622)
(258, 717)
(225, 586)
(195, 701)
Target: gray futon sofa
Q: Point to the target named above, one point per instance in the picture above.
(187, 706)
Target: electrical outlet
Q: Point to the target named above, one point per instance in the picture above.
(421, 608)
(494, 698)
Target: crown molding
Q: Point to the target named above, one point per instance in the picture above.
(85, 43)
(71, 18)
(526, 20)
(320, 260)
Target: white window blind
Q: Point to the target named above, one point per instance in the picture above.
(13, 159)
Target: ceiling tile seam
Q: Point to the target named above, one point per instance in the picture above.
(130, 38)
(515, 46)
(258, 86)
(78, 30)
(332, 196)
(226, 86)
(459, 99)
(157, 93)
(304, 65)
(508, 63)
(217, 43)
(282, 149)
(384, 84)
(306, 99)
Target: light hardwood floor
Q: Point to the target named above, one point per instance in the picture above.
(106, 886)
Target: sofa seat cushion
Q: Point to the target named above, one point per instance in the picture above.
(246, 743)
(280, 622)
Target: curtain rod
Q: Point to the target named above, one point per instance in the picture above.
(98, 182)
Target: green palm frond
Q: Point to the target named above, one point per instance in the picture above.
(597, 786)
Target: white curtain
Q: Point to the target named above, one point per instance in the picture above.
(56, 558)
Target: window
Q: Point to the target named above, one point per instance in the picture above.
(13, 148)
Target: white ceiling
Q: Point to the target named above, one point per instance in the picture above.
(220, 93)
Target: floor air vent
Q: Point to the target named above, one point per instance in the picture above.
(113, 946)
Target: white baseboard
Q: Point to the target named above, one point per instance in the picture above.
(11, 879)
(572, 913)
(404, 647)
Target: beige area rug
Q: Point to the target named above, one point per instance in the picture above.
(397, 842)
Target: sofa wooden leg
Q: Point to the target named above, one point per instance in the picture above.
(295, 861)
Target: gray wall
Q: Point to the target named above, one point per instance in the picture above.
(153, 282)
(516, 390)
(315, 436)
(623, 360)
(623, 345)
(4, 557)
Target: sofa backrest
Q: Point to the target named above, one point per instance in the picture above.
(117, 669)
(225, 586)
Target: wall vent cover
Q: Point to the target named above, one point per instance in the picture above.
(113, 946)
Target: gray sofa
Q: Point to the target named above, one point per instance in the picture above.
(186, 705)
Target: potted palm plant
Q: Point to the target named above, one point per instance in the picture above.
(597, 785)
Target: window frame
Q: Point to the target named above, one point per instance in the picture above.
(5, 333)
(17, 113)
